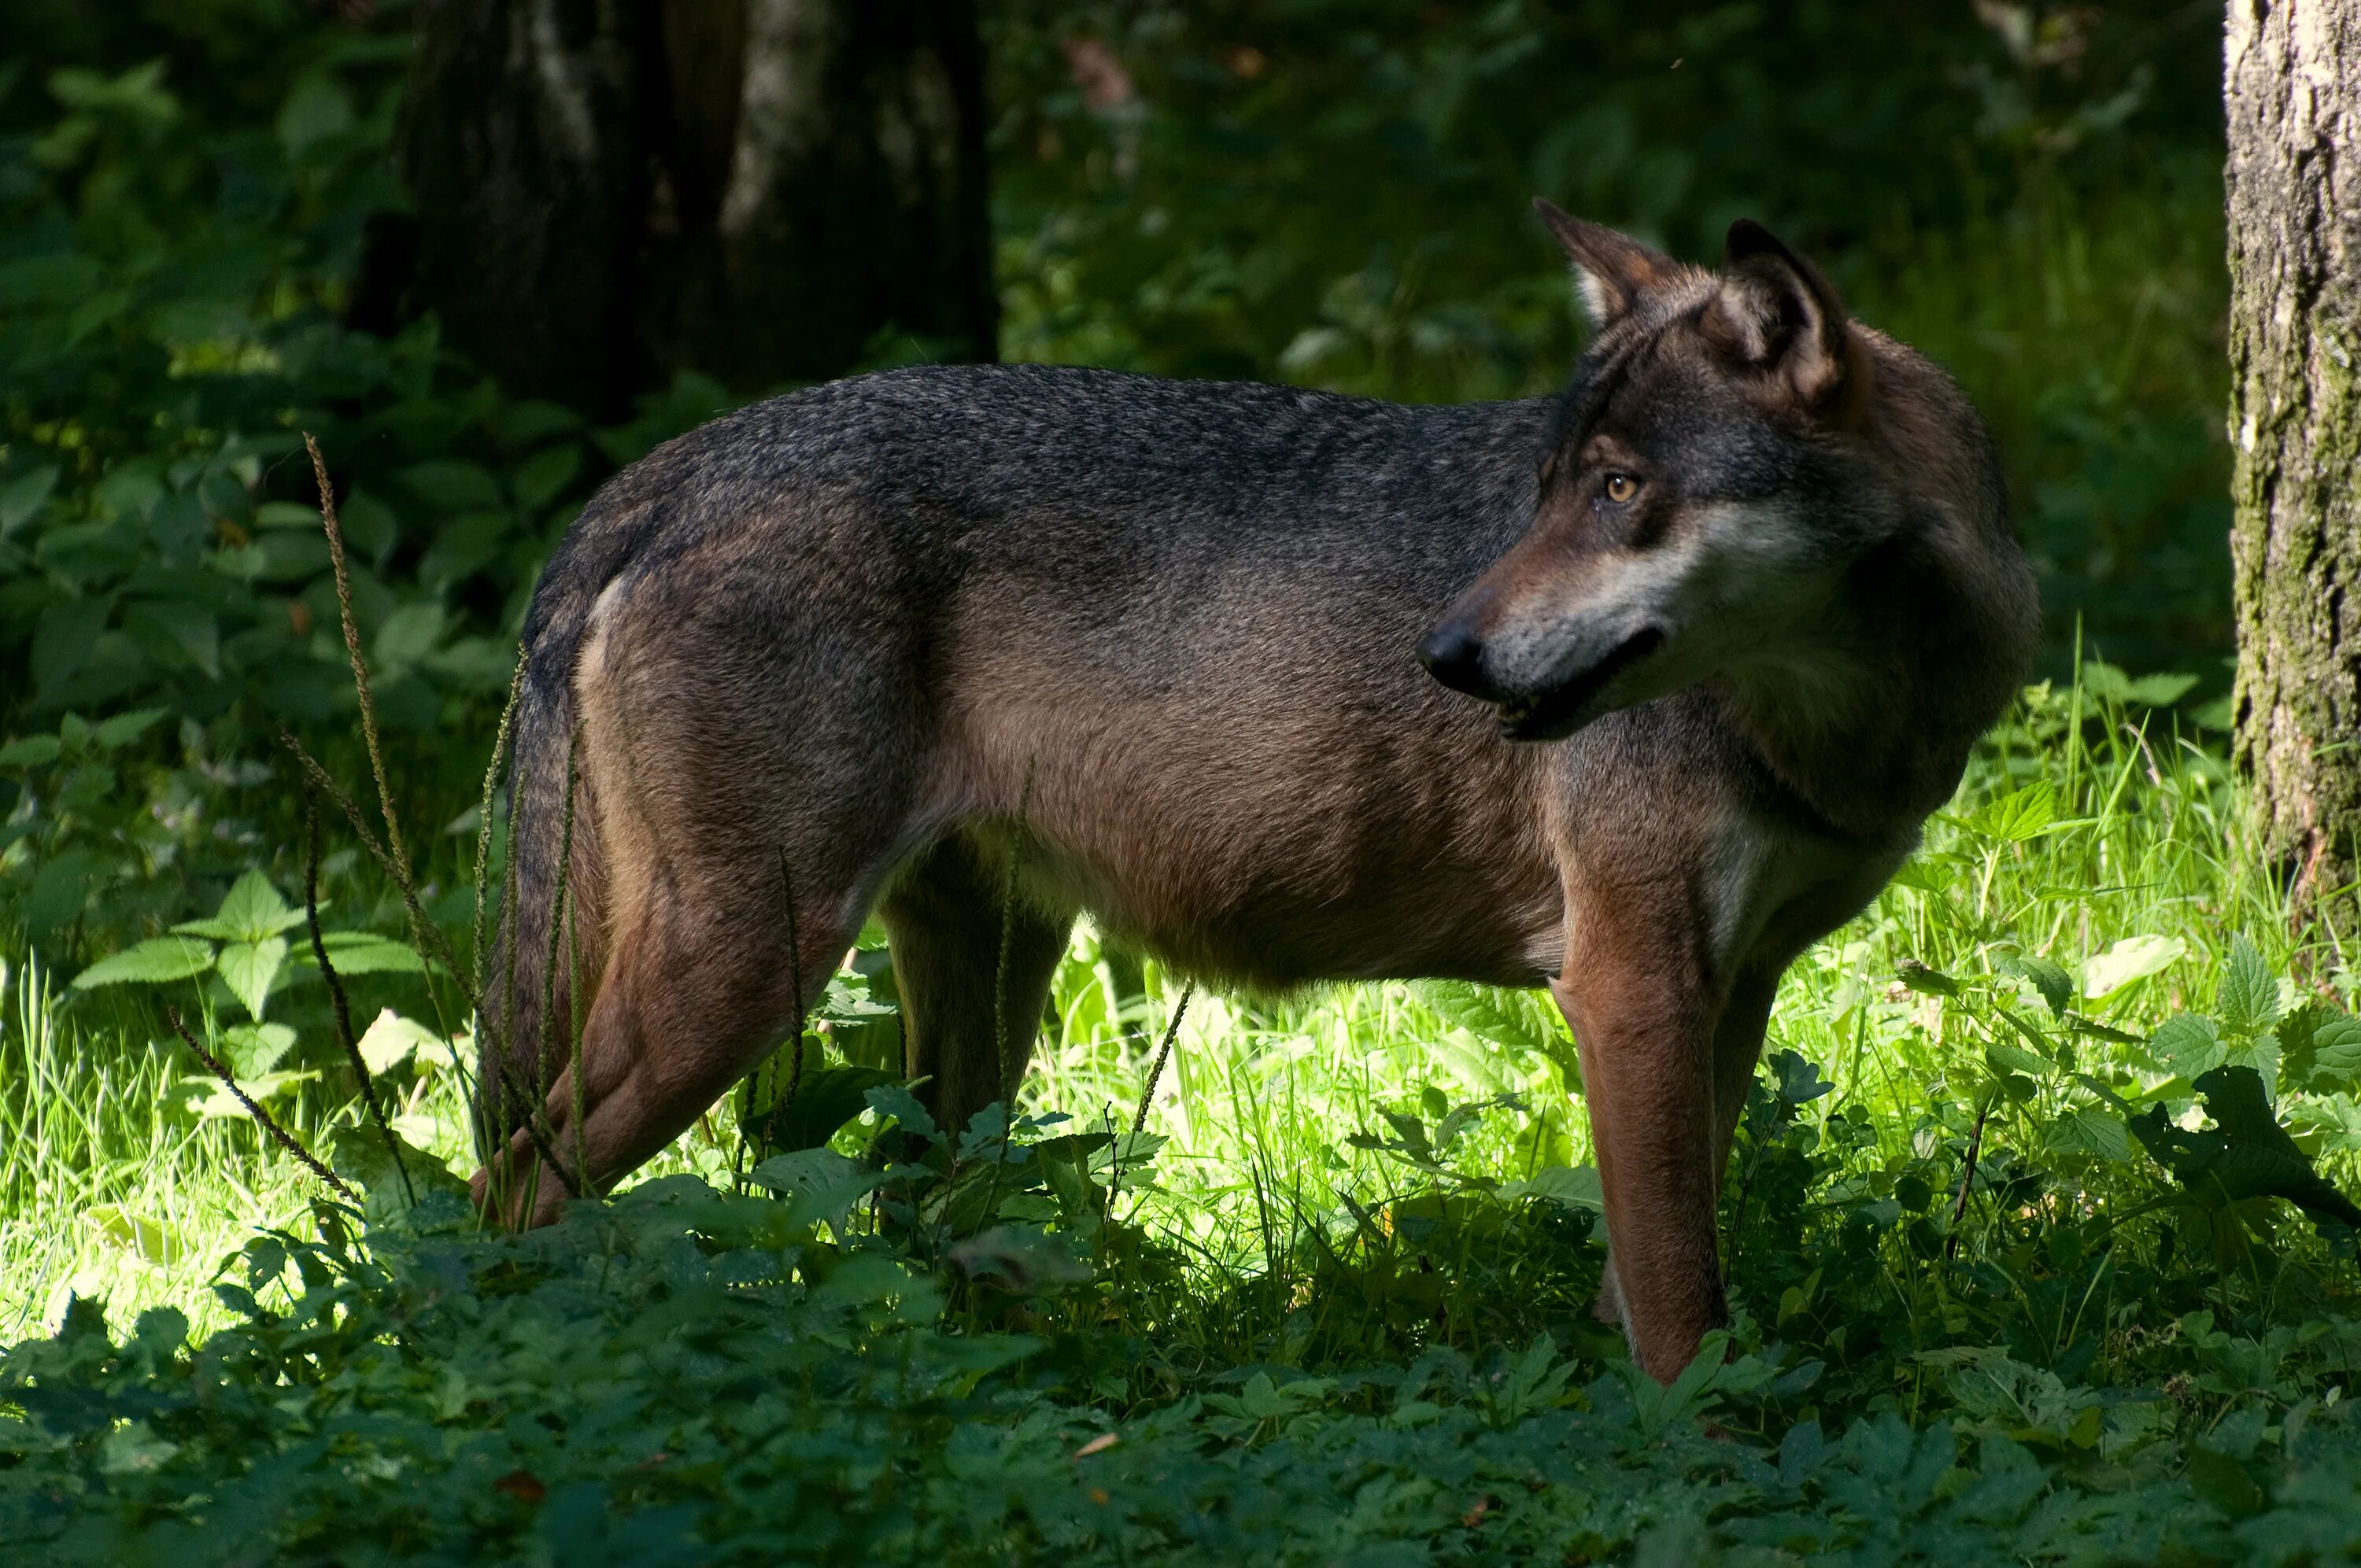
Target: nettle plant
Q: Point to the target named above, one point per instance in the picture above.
(2232, 1104)
(240, 957)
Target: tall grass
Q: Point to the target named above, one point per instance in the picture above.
(2086, 821)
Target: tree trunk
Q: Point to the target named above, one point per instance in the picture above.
(2293, 89)
(611, 191)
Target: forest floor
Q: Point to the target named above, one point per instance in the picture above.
(2021, 1241)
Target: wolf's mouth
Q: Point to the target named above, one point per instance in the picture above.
(1553, 715)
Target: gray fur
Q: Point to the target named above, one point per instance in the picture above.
(1152, 648)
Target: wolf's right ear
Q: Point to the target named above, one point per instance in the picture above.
(1778, 313)
(1615, 269)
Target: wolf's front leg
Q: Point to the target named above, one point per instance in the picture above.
(1632, 992)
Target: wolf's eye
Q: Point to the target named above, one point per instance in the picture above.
(1620, 487)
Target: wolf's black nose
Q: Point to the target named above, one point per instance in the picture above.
(1454, 655)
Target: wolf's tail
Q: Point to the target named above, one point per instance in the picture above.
(536, 972)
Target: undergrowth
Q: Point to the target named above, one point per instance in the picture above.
(2035, 1236)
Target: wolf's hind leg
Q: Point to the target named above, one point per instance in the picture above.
(694, 993)
(946, 913)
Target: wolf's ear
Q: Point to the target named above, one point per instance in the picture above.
(1615, 268)
(1779, 314)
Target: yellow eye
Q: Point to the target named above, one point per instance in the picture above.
(1620, 488)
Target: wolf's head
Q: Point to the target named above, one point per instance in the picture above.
(1726, 455)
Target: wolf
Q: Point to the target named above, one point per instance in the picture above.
(1632, 692)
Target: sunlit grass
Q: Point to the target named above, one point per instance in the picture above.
(111, 1187)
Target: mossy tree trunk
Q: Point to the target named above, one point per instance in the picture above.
(608, 190)
(2292, 76)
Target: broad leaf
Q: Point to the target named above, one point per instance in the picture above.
(2336, 1052)
(391, 1039)
(253, 911)
(2056, 986)
(2004, 1058)
(896, 1103)
(846, 1001)
(251, 1051)
(151, 962)
(1925, 980)
(152, 1240)
(2250, 998)
(2246, 1154)
(268, 1086)
(249, 968)
(361, 1157)
(2019, 816)
(364, 952)
(2187, 1044)
(2134, 957)
(2093, 1132)
(1575, 1185)
(777, 1121)
(1520, 1020)
(32, 752)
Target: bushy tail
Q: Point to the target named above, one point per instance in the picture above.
(532, 970)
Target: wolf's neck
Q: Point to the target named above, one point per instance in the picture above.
(1873, 725)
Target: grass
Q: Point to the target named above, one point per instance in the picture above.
(111, 1187)
(1348, 1260)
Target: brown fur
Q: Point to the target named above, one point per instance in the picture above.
(1145, 649)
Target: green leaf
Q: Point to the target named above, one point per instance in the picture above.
(2250, 998)
(2159, 691)
(253, 911)
(1520, 1020)
(1575, 1185)
(251, 1051)
(2022, 814)
(32, 752)
(2223, 1482)
(540, 478)
(152, 962)
(249, 968)
(828, 1096)
(454, 486)
(2336, 1051)
(2093, 1132)
(364, 952)
(361, 1157)
(2056, 986)
(895, 1103)
(125, 728)
(2004, 1058)
(316, 108)
(391, 1039)
(407, 636)
(846, 1001)
(61, 890)
(2246, 1154)
(152, 1240)
(221, 1104)
(1925, 980)
(23, 496)
(2187, 1044)
(2133, 959)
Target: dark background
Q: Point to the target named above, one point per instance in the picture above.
(213, 236)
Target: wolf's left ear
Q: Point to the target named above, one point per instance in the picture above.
(1616, 271)
(1779, 314)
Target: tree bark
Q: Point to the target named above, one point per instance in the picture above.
(2292, 77)
(607, 191)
